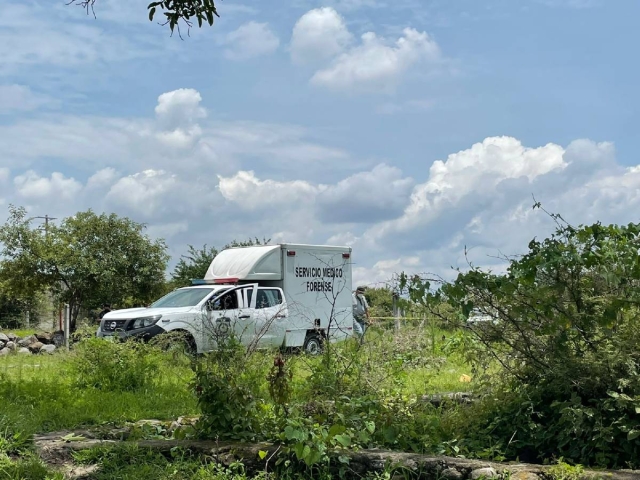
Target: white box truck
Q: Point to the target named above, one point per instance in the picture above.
(286, 295)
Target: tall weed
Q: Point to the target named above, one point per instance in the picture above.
(115, 366)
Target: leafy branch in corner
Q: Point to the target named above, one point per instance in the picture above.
(174, 11)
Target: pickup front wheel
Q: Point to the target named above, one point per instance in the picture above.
(313, 344)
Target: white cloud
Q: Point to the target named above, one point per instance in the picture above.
(320, 34)
(477, 171)
(5, 173)
(179, 108)
(16, 98)
(102, 179)
(249, 192)
(177, 114)
(250, 40)
(144, 192)
(31, 186)
(376, 64)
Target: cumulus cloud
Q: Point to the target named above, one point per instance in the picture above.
(320, 34)
(376, 64)
(476, 172)
(102, 179)
(322, 37)
(143, 192)
(250, 40)
(177, 114)
(249, 192)
(30, 186)
(178, 108)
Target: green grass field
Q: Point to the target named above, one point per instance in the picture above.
(43, 393)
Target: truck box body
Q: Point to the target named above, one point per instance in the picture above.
(287, 295)
(316, 281)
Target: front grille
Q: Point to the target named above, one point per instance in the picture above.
(113, 325)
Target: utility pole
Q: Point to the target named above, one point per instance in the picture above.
(46, 223)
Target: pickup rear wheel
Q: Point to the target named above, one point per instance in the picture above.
(313, 344)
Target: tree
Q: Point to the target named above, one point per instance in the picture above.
(380, 301)
(195, 263)
(174, 11)
(88, 260)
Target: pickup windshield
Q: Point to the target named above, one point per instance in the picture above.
(186, 297)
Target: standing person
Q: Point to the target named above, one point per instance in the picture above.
(360, 312)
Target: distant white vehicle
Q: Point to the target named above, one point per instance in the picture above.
(477, 316)
(287, 295)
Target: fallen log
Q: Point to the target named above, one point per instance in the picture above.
(57, 449)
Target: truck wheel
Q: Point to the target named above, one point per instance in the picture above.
(181, 340)
(313, 344)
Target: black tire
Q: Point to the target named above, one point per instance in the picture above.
(178, 341)
(313, 344)
(189, 344)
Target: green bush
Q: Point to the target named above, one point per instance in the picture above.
(230, 386)
(566, 335)
(114, 365)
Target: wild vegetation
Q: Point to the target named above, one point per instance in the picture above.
(553, 369)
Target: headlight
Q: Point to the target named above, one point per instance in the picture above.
(145, 322)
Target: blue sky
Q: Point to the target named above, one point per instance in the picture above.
(407, 129)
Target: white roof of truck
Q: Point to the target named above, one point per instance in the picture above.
(247, 263)
(262, 262)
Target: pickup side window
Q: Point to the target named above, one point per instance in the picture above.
(268, 297)
(228, 301)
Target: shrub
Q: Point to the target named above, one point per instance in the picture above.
(229, 385)
(114, 365)
(566, 336)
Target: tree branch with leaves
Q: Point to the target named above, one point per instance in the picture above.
(174, 11)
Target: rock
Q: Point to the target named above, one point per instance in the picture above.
(11, 345)
(4, 351)
(524, 476)
(12, 337)
(24, 351)
(48, 349)
(451, 474)
(2, 344)
(483, 473)
(36, 346)
(44, 337)
(26, 341)
(4, 338)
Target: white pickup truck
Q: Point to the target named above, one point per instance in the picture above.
(287, 295)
